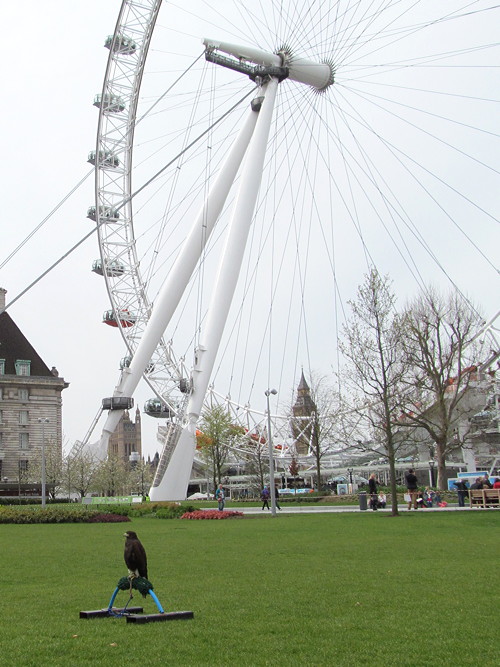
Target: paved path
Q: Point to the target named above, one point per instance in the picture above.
(322, 509)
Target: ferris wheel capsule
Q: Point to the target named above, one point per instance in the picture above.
(118, 403)
(156, 408)
(111, 267)
(109, 102)
(123, 318)
(105, 159)
(120, 44)
(107, 212)
(125, 362)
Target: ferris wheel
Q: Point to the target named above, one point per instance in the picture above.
(251, 164)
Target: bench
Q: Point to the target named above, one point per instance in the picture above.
(484, 497)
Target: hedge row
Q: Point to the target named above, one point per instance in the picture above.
(27, 500)
(159, 510)
(56, 515)
(96, 514)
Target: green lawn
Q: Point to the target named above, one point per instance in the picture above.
(330, 589)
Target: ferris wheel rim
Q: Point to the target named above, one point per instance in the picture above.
(119, 210)
(102, 222)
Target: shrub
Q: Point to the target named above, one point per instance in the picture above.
(102, 517)
(124, 510)
(173, 511)
(53, 515)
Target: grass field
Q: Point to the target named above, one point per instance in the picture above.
(330, 589)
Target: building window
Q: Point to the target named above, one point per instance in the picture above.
(23, 417)
(22, 367)
(23, 441)
(23, 394)
(2, 366)
(23, 465)
(1, 417)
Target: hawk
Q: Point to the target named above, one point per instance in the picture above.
(135, 556)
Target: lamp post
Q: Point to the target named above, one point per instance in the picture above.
(43, 421)
(268, 392)
(349, 472)
(431, 472)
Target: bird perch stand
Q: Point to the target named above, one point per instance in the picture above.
(135, 614)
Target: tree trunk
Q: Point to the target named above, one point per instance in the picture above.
(394, 493)
(441, 465)
(318, 471)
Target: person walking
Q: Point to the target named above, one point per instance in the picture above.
(220, 497)
(276, 496)
(264, 496)
(412, 486)
(372, 488)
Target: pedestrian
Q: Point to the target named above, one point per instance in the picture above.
(372, 488)
(412, 486)
(382, 500)
(276, 496)
(264, 496)
(462, 491)
(220, 497)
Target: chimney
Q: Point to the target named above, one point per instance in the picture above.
(3, 292)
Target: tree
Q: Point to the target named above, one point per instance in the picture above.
(374, 371)
(257, 460)
(111, 476)
(53, 467)
(438, 346)
(79, 471)
(217, 435)
(140, 477)
(323, 420)
(294, 471)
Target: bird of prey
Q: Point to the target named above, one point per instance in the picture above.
(135, 556)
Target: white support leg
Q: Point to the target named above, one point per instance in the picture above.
(178, 278)
(174, 484)
(232, 257)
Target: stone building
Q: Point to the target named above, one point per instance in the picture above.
(475, 435)
(30, 404)
(127, 437)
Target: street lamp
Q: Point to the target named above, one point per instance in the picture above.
(349, 472)
(431, 472)
(268, 392)
(43, 421)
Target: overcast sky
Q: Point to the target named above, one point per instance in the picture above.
(53, 65)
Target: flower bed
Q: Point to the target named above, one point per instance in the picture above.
(211, 514)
